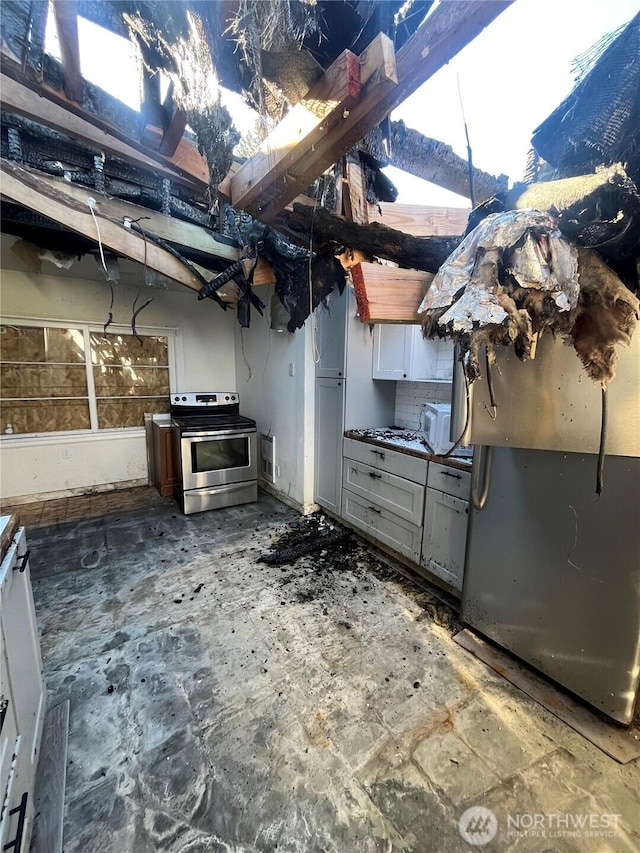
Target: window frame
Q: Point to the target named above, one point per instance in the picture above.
(87, 328)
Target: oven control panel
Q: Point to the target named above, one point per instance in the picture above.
(215, 398)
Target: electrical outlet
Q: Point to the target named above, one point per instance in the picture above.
(65, 453)
(292, 369)
(277, 470)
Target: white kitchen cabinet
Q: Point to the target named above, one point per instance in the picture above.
(383, 495)
(22, 696)
(346, 397)
(381, 525)
(395, 494)
(446, 516)
(401, 353)
(328, 444)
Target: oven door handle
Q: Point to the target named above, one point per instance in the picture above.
(216, 433)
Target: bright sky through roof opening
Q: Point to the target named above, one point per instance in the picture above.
(512, 76)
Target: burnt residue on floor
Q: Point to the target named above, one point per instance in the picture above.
(320, 558)
(219, 703)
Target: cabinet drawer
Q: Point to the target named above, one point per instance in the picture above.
(386, 491)
(386, 527)
(401, 464)
(445, 537)
(451, 481)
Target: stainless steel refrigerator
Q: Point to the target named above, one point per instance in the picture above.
(552, 570)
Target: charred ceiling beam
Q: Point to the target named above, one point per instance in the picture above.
(203, 240)
(50, 151)
(375, 240)
(431, 160)
(445, 32)
(26, 188)
(52, 109)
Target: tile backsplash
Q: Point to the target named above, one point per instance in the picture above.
(412, 396)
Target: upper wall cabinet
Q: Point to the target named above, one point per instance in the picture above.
(401, 353)
(330, 337)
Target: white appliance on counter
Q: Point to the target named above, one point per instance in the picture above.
(436, 428)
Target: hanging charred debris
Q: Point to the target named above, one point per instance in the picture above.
(175, 158)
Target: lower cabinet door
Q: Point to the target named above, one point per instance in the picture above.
(380, 524)
(328, 444)
(445, 536)
(395, 494)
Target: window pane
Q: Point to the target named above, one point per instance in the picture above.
(32, 380)
(127, 349)
(128, 413)
(219, 453)
(131, 381)
(44, 416)
(26, 343)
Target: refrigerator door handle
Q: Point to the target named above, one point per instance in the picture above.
(481, 475)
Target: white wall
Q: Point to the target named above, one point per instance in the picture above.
(412, 396)
(281, 404)
(205, 354)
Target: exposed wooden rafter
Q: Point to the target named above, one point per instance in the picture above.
(258, 182)
(50, 107)
(66, 15)
(374, 239)
(28, 188)
(431, 160)
(167, 227)
(444, 33)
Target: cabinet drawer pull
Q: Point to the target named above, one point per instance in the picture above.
(375, 476)
(455, 476)
(378, 453)
(373, 509)
(21, 563)
(21, 811)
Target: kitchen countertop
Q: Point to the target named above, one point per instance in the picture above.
(406, 441)
(8, 526)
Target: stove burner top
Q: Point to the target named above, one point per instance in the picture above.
(209, 422)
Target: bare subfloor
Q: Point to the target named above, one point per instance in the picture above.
(223, 704)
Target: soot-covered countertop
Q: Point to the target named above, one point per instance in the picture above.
(406, 441)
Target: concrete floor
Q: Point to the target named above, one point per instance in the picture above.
(221, 704)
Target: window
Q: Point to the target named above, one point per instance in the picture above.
(58, 379)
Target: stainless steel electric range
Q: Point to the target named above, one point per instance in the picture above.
(216, 446)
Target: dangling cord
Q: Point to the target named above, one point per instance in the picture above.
(91, 204)
(493, 411)
(315, 354)
(110, 316)
(467, 393)
(142, 307)
(603, 441)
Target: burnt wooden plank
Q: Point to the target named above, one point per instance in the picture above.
(255, 182)
(173, 230)
(66, 14)
(51, 782)
(375, 240)
(442, 35)
(430, 160)
(50, 107)
(29, 190)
